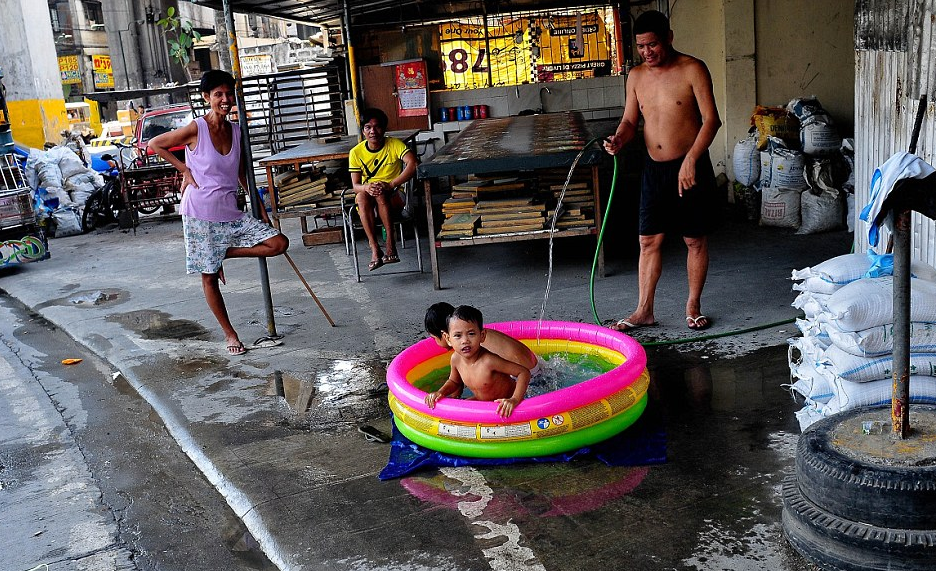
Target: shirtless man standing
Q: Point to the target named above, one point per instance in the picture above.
(673, 92)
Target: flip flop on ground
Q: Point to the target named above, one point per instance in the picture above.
(391, 258)
(236, 349)
(626, 325)
(266, 342)
(698, 323)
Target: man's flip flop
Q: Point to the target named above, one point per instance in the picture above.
(371, 434)
(624, 325)
(267, 342)
(698, 323)
(374, 264)
(391, 258)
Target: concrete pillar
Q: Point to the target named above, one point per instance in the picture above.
(740, 85)
(124, 39)
(31, 74)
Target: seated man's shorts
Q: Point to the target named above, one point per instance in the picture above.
(206, 243)
(663, 211)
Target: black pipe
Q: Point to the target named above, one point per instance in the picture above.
(900, 400)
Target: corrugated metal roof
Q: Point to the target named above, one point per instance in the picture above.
(385, 13)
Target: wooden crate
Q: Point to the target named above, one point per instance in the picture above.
(324, 235)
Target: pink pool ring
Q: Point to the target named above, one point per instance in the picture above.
(555, 422)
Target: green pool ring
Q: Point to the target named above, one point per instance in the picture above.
(529, 448)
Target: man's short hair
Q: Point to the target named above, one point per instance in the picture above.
(373, 113)
(469, 314)
(214, 78)
(437, 317)
(654, 22)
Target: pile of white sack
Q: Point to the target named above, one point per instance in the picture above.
(845, 357)
(805, 184)
(61, 175)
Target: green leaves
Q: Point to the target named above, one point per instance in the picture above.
(180, 35)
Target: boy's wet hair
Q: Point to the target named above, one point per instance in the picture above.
(437, 317)
(374, 113)
(214, 78)
(652, 22)
(469, 314)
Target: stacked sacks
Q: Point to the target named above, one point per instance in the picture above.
(790, 150)
(844, 358)
(817, 134)
(746, 163)
(781, 182)
(60, 177)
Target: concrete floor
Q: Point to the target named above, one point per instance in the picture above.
(275, 430)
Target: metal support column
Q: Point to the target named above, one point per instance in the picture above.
(255, 202)
(900, 399)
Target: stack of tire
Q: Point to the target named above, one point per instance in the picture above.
(849, 511)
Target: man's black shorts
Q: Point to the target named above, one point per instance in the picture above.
(663, 211)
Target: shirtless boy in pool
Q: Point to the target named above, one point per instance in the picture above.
(501, 344)
(489, 376)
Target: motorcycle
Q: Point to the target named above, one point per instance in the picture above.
(104, 204)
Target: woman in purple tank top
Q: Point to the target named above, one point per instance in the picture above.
(213, 225)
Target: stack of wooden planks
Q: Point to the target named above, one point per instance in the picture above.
(504, 215)
(305, 189)
(459, 226)
(578, 204)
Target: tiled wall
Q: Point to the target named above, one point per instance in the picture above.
(596, 98)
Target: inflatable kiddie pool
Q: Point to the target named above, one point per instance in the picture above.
(558, 421)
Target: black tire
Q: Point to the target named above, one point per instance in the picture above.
(857, 490)
(93, 212)
(838, 544)
(114, 201)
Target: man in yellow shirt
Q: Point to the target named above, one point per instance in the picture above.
(379, 165)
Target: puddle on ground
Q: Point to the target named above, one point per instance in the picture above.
(152, 324)
(730, 439)
(88, 298)
(343, 390)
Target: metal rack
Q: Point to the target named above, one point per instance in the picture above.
(21, 239)
(287, 109)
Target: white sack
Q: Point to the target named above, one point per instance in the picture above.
(780, 207)
(814, 305)
(850, 395)
(867, 303)
(787, 168)
(746, 161)
(837, 364)
(821, 213)
(818, 136)
(829, 276)
(877, 341)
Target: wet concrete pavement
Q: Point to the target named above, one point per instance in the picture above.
(275, 430)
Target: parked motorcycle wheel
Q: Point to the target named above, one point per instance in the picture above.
(93, 213)
(101, 208)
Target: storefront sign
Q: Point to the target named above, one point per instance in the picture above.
(103, 73)
(522, 50)
(259, 64)
(68, 68)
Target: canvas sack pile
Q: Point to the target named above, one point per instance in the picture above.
(844, 358)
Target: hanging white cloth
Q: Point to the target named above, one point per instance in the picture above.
(900, 166)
